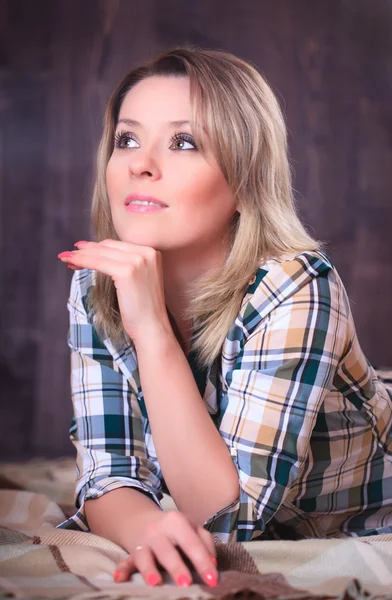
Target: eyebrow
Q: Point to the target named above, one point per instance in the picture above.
(133, 123)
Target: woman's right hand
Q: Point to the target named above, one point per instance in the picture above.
(166, 537)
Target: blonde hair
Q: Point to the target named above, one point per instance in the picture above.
(247, 133)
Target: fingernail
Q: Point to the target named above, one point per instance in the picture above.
(183, 581)
(65, 254)
(152, 579)
(214, 559)
(210, 578)
(80, 243)
(116, 575)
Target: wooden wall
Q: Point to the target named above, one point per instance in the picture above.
(329, 61)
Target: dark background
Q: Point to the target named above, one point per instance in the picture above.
(329, 62)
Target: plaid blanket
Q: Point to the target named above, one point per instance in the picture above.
(38, 561)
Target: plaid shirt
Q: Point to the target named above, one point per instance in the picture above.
(306, 419)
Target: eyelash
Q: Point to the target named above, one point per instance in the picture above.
(185, 137)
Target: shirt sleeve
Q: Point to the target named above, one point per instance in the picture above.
(107, 424)
(274, 392)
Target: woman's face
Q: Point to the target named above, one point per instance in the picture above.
(158, 158)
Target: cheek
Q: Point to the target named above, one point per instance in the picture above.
(109, 175)
(113, 176)
(207, 190)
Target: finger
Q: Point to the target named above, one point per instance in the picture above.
(170, 558)
(98, 254)
(185, 535)
(96, 262)
(144, 562)
(199, 554)
(108, 252)
(124, 569)
(208, 540)
(146, 251)
(125, 247)
(80, 258)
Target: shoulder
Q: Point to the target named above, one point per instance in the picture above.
(278, 280)
(292, 271)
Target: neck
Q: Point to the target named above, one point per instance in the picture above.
(179, 270)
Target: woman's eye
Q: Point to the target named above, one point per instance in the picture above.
(183, 141)
(123, 139)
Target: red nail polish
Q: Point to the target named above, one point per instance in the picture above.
(65, 254)
(214, 559)
(210, 578)
(152, 579)
(183, 581)
(116, 575)
(80, 243)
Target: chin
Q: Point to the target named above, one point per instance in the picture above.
(142, 240)
(152, 239)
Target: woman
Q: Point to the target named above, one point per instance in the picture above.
(214, 355)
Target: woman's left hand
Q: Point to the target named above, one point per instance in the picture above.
(137, 275)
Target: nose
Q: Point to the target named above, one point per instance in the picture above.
(142, 163)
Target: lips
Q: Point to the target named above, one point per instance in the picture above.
(143, 198)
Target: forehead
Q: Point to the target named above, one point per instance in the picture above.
(158, 98)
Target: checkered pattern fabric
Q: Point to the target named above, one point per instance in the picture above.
(306, 418)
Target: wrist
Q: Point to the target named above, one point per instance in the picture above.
(158, 335)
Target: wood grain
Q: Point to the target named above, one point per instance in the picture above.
(330, 63)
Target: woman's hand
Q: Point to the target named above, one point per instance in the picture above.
(171, 529)
(137, 275)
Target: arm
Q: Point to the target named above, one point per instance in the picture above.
(117, 488)
(194, 459)
(273, 395)
(107, 426)
(126, 512)
(191, 453)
